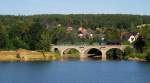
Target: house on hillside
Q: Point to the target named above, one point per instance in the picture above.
(85, 33)
(131, 39)
(129, 36)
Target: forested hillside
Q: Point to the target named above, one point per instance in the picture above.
(37, 32)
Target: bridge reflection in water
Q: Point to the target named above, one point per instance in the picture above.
(89, 50)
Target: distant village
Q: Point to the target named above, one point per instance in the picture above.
(84, 33)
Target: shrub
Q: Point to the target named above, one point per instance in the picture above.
(129, 51)
(147, 55)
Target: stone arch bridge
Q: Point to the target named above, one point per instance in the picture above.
(83, 49)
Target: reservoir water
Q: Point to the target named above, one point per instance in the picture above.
(75, 71)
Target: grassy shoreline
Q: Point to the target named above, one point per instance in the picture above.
(25, 56)
(22, 55)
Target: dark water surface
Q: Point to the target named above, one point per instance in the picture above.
(75, 71)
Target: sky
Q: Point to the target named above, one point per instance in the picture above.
(31, 7)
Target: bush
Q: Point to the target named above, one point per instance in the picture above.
(147, 55)
(130, 53)
(134, 55)
(129, 50)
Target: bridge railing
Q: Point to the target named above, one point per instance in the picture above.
(83, 45)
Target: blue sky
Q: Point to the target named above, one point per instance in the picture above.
(30, 7)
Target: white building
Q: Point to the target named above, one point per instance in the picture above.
(132, 38)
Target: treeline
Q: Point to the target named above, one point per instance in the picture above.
(121, 21)
(37, 32)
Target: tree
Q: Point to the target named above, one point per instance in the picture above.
(4, 38)
(145, 32)
(18, 43)
(34, 35)
(45, 41)
(139, 44)
(58, 35)
(29, 31)
(112, 34)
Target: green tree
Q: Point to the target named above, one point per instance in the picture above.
(139, 44)
(45, 41)
(34, 35)
(112, 34)
(145, 32)
(58, 35)
(18, 43)
(4, 38)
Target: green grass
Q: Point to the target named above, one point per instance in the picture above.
(141, 56)
(56, 55)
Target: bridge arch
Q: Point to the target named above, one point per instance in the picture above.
(114, 53)
(93, 52)
(56, 50)
(69, 51)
